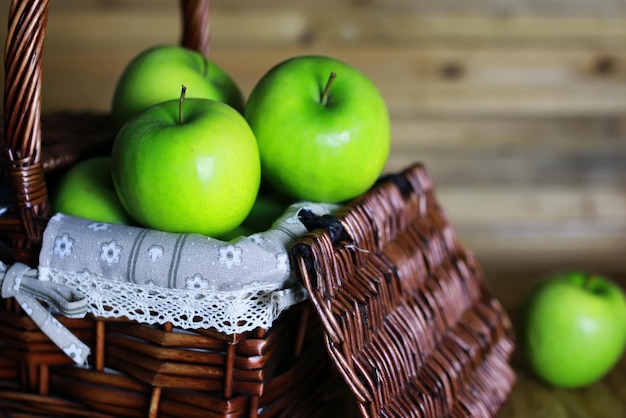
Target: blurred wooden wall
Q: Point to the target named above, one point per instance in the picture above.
(516, 106)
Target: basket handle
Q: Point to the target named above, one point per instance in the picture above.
(195, 29)
(22, 110)
(22, 100)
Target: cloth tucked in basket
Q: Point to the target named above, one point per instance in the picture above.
(189, 280)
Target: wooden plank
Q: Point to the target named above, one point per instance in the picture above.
(338, 23)
(551, 8)
(581, 99)
(486, 204)
(528, 169)
(115, 28)
(403, 29)
(502, 135)
(403, 76)
(479, 66)
(526, 151)
(567, 243)
(569, 8)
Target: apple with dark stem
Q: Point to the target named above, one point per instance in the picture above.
(322, 127)
(187, 165)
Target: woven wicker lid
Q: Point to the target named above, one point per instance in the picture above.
(409, 320)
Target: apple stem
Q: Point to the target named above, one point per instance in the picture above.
(205, 70)
(589, 279)
(180, 104)
(326, 92)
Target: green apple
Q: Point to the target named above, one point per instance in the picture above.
(86, 190)
(187, 166)
(267, 208)
(573, 328)
(322, 126)
(155, 76)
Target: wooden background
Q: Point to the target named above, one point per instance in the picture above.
(517, 107)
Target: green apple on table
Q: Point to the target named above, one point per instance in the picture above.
(322, 127)
(155, 76)
(86, 190)
(187, 165)
(572, 328)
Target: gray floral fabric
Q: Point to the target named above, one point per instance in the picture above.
(175, 261)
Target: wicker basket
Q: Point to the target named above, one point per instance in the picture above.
(399, 320)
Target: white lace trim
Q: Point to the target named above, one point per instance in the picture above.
(227, 312)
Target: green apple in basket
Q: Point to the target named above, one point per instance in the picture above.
(322, 126)
(155, 76)
(187, 165)
(86, 190)
(572, 328)
(267, 208)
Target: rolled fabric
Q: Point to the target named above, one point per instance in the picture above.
(190, 280)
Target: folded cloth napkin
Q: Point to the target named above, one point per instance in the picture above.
(175, 261)
(189, 280)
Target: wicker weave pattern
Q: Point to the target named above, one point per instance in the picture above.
(408, 318)
(140, 371)
(22, 94)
